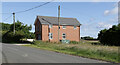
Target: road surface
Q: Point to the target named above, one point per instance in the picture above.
(21, 54)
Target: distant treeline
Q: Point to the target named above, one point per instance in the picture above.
(88, 38)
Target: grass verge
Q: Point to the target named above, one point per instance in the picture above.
(106, 53)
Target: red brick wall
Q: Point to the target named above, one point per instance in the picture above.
(71, 33)
(45, 36)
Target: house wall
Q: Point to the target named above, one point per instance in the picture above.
(38, 31)
(45, 34)
(71, 33)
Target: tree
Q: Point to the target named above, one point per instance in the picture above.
(5, 26)
(21, 31)
(110, 36)
(19, 26)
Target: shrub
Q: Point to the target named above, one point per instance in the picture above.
(74, 42)
(110, 36)
(10, 37)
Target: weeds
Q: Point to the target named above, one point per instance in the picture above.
(108, 53)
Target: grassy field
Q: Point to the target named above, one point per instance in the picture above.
(83, 48)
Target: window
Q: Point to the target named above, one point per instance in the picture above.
(75, 27)
(64, 27)
(50, 26)
(50, 36)
(63, 36)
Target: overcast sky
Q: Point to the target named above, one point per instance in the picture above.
(94, 16)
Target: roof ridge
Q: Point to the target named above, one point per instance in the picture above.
(56, 17)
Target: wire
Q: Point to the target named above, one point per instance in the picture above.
(7, 18)
(30, 8)
(34, 7)
(5, 13)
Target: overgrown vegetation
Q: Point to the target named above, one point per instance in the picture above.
(84, 49)
(21, 31)
(110, 36)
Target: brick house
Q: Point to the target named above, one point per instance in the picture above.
(46, 29)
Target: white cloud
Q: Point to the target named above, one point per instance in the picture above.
(106, 12)
(111, 12)
(104, 25)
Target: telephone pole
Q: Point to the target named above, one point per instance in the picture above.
(14, 22)
(58, 22)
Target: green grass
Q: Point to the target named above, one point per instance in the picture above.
(84, 49)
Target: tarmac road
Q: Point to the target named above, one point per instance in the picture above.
(21, 54)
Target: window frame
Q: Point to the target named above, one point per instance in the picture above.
(64, 27)
(50, 25)
(50, 35)
(75, 27)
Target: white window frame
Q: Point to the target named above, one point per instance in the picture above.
(64, 27)
(50, 35)
(50, 26)
(75, 27)
(63, 35)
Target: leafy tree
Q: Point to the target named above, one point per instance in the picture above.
(21, 31)
(5, 26)
(24, 28)
(110, 36)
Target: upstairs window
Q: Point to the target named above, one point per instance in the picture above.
(64, 27)
(75, 27)
(63, 36)
(50, 36)
(50, 26)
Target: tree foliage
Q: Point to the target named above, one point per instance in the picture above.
(24, 28)
(21, 31)
(11, 37)
(5, 26)
(110, 36)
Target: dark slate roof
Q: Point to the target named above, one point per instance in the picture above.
(54, 20)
